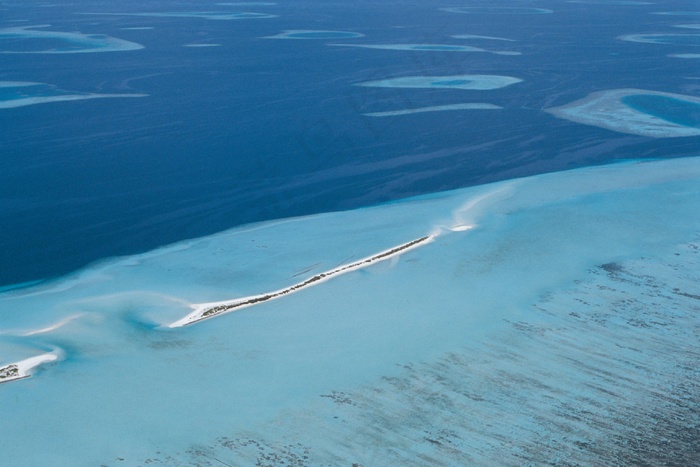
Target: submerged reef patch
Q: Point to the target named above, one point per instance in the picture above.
(636, 111)
(668, 39)
(476, 36)
(21, 93)
(498, 10)
(435, 108)
(426, 48)
(28, 40)
(314, 34)
(471, 82)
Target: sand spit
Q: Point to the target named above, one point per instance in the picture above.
(209, 310)
(22, 369)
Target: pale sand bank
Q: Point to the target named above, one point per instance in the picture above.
(64, 98)
(306, 34)
(467, 82)
(427, 48)
(436, 108)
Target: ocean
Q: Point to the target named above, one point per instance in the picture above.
(160, 158)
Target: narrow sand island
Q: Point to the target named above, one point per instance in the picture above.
(209, 310)
(23, 369)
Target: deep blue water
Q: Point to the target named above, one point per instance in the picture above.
(260, 129)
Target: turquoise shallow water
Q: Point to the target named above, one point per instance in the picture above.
(586, 279)
(670, 109)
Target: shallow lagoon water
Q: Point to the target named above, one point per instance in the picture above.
(682, 112)
(363, 344)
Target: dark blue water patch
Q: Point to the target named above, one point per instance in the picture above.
(673, 110)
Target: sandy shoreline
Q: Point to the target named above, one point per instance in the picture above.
(22, 369)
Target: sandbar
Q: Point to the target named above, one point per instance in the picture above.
(314, 34)
(74, 42)
(426, 48)
(468, 82)
(209, 310)
(23, 369)
(435, 108)
(605, 109)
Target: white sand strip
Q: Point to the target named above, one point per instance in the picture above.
(209, 310)
(54, 326)
(22, 369)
